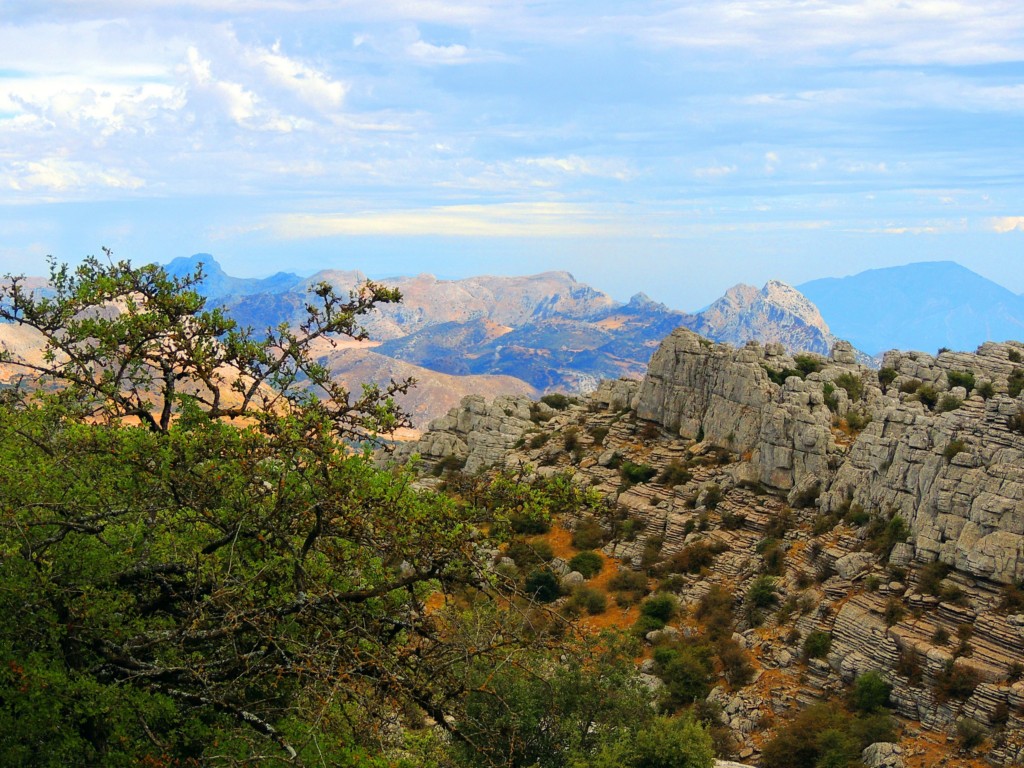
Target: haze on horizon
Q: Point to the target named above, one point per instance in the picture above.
(670, 148)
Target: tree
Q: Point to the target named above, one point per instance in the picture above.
(185, 586)
(123, 341)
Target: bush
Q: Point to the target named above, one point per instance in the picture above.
(450, 463)
(807, 364)
(556, 400)
(527, 553)
(598, 434)
(928, 396)
(588, 599)
(761, 593)
(870, 692)
(686, 671)
(630, 586)
(884, 534)
(588, 534)
(1013, 356)
(542, 585)
(636, 473)
(963, 379)
(714, 611)
(736, 665)
(949, 403)
(909, 666)
(887, 376)
(970, 733)
(910, 386)
(817, 645)
(712, 496)
(661, 607)
(1015, 382)
(812, 739)
(931, 576)
(774, 557)
(1016, 422)
(856, 420)
(852, 383)
(589, 563)
(692, 558)
(940, 636)
(955, 681)
(894, 611)
(953, 448)
(986, 389)
(674, 474)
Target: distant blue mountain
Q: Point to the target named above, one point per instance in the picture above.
(922, 306)
(217, 284)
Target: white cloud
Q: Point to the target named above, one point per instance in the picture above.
(574, 165)
(1006, 224)
(309, 84)
(527, 220)
(58, 175)
(715, 171)
(438, 54)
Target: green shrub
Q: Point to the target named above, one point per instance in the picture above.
(931, 576)
(636, 473)
(588, 534)
(450, 463)
(598, 434)
(761, 593)
(811, 738)
(736, 666)
(955, 681)
(963, 379)
(807, 364)
(887, 376)
(857, 421)
(884, 534)
(986, 389)
(852, 383)
(571, 439)
(953, 447)
(970, 732)
(940, 636)
(949, 403)
(542, 585)
(714, 611)
(1016, 422)
(870, 692)
(674, 474)
(1015, 382)
(685, 670)
(928, 395)
(589, 563)
(588, 599)
(817, 644)
(857, 516)
(910, 386)
(774, 557)
(631, 586)
(712, 496)
(538, 440)
(527, 553)
(1013, 356)
(556, 400)
(693, 558)
(894, 611)
(661, 607)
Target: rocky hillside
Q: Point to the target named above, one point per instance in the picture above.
(858, 522)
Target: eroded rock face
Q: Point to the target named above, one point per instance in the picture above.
(478, 433)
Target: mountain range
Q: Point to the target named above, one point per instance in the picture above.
(527, 335)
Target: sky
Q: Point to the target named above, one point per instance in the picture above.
(673, 148)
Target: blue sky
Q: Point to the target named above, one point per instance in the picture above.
(674, 148)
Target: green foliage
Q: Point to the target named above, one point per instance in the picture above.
(593, 601)
(986, 389)
(1016, 422)
(588, 562)
(931, 575)
(963, 379)
(817, 644)
(970, 733)
(674, 474)
(693, 558)
(588, 534)
(636, 473)
(927, 395)
(598, 434)
(712, 496)
(194, 591)
(949, 403)
(686, 671)
(556, 400)
(808, 364)
(529, 553)
(887, 376)
(955, 681)
(894, 611)
(1015, 382)
(678, 742)
(761, 593)
(870, 692)
(884, 534)
(714, 611)
(953, 447)
(630, 586)
(774, 557)
(852, 383)
(661, 607)
(817, 736)
(1013, 355)
(542, 585)
(910, 386)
